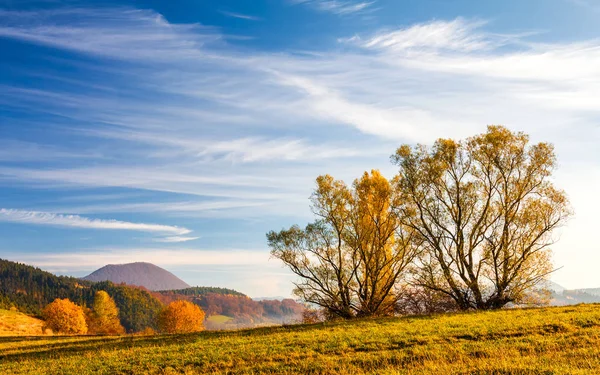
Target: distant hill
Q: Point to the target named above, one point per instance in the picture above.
(562, 296)
(230, 309)
(140, 274)
(592, 291)
(29, 290)
(196, 291)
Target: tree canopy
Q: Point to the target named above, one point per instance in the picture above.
(104, 318)
(464, 225)
(485, 210)
(63, 316)
(181, 317)
(350, 258)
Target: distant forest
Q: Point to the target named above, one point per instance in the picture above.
(30, 289)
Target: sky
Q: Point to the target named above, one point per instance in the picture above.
(179, 133)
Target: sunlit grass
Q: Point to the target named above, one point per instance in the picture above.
(562, 340)
(16, 323)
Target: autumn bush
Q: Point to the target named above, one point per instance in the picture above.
(181, 317)
(63, 316)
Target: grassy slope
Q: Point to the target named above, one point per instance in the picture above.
(563, 340)
(16, 323)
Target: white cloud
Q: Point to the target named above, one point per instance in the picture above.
(340, 7)
(12, 150)
(207, 119)
(76, 221)
(175, 239)
(103, 31)
(241, 16)
(458, 35)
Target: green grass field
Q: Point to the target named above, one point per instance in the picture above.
(563, 340)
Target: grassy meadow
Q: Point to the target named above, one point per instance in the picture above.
(559, 340)
(16, 323)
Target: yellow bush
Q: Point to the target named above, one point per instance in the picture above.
(63, 316)
(181, 317)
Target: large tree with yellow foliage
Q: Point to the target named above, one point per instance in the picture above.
(63, 316)
(485, 210)
(350, 258)
(181, 317)
(104, 317)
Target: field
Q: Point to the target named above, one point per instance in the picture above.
(563, 340)
(219, 319)
(16, 323)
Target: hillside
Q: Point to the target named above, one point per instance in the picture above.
(29, 290)
(14, 323)
(235, 309)
(558, 340)
(141, 274)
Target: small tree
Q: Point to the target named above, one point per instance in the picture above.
(350, 259)
(63, 316)
(104, 319)
(181, 317)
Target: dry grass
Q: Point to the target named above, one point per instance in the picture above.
(563, 340)
(14, 323)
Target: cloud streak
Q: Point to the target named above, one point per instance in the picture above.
(240, 16)
(339, 7)
(76, 221)
(197, 116)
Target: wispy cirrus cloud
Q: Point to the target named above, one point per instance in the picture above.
(240, 16)
(175, 239)
(339, 7)
(458, 35)
(197, 116)
(76, 221)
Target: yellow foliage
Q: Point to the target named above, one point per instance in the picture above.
(63, 316)
(181, 317)
(105, 316)
(486, 211)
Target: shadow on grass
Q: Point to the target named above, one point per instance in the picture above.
(82, 344)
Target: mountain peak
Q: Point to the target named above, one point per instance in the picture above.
(143, 274)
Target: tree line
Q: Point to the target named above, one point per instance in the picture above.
(30, 290)
(62, 316)
(463, 225)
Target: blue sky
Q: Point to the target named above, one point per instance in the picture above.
(179, 133)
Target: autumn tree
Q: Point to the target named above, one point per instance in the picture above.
(104, 317)
(350, 258)
(485, 209)
(181, 317)
(63, 316)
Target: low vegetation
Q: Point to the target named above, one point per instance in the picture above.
(16, 323)
(559, 340)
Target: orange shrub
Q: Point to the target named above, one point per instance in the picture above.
(63, 316)
(181, 317)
